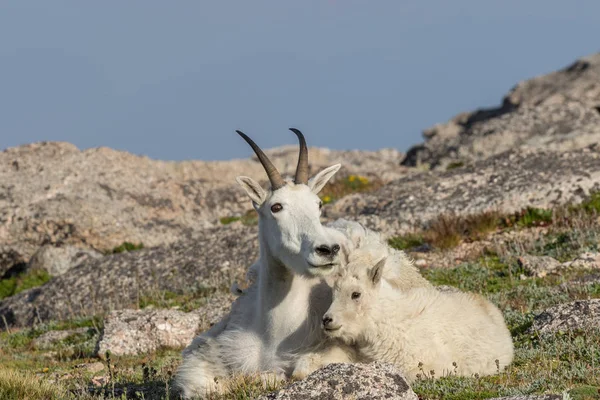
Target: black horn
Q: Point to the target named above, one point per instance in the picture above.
(274, 175)
(302, 168)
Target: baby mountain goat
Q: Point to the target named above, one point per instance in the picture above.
(420, 329)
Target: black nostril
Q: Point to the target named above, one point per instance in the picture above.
(327, 320)
(323, 250)
(335, 249)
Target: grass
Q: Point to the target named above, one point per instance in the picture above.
(25, 385)
(455, 165)
(337, 189)
(127, 246)
(249, 218)
(186, 302)
(449, 230)
(26, 280)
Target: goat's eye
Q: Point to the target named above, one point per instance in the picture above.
(355, 295)
(276, 207)
(320, 205)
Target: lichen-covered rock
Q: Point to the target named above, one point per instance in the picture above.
(58, 260)
(532, 397)
(506, 183)
(132, 332)
(375, 381)
(9, 259)
(579, 314)
(539, 266)
(557, 111)
(53, 193)
(210, 260)
(588, 260)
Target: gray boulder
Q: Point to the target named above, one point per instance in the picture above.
(58, 260)
(133, 332)
(579, 314)
(349, 381)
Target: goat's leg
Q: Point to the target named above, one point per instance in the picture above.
(202, 371)
(311, 362)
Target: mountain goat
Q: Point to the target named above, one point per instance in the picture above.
(278, 317)
(276, 321)
(420, 329)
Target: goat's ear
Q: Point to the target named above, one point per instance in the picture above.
(254, 190)
(319, 180)
(376, 272)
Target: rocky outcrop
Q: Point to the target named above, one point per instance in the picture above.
(207, 262)
(52, 193)
(375, 381)
(507, 182)
(579, 314)
(558, 111)
(58, 260)
(133, 332)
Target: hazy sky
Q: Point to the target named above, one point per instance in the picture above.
(174, 79)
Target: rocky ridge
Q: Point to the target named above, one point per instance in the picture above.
(558, 111)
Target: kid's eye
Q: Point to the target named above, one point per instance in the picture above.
(355, 295)
(320, 205)
(276, 207)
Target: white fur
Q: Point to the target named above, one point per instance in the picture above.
(418, 325)
(278, 317)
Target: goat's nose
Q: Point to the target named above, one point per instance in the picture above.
(335, 249)
(324, 250)
(327, 320)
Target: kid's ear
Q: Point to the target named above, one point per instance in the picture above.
(377, 271)
(319, 180)
(253, 189)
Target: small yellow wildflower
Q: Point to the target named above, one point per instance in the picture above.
(326, 199)
(363, 180)
(46, 369)
(351, 178)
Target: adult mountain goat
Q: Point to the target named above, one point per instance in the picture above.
(420, 329)
(278, 317)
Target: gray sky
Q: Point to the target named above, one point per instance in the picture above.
(174, 79)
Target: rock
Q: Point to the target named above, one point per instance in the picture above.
(539, 266)
(588, 260)
(51, 338)
(92, 368)
(505, 183)
(53, 193)
(10, 260)
(557, 111)
(344, 381)
(532, 397)
(448, 289)
(132, 332)
(207, 262)
(58, 260)
(579, 314)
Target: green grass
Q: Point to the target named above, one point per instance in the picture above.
(186, 302)
(406, 242)
(249, 218)
(338, 188)
(127, 246)
(27, 280)
(455, 165)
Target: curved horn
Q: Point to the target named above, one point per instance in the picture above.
(274, 175)
(302, 168)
